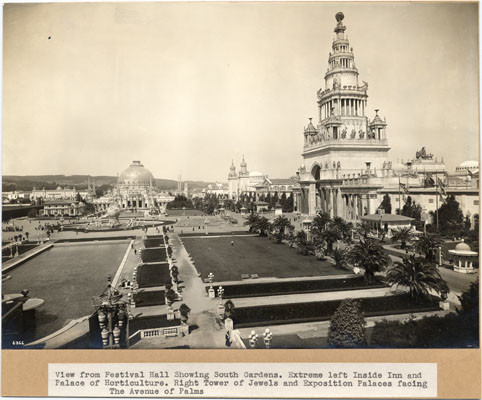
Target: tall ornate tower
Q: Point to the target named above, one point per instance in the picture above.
(233, 182)
(243, 176)
(344, 143)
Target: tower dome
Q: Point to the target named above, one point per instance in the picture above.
(136, 175)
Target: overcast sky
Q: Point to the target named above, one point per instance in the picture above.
(187, 87)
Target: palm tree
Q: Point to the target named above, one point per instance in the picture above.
(170, 296)
(302, 242)
(403, 235)
(263, 226)
(319, 223)
(369, 254)
(340, 257)
(364, 229)
(290, 236)
(184, 310)
(428, 244)
(175, 273)
(418, 276)
(252, 221)
(330, 235)
(229, 309)
(343, 227)
(281, 224)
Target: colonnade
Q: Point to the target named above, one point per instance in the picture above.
(331, 200)
(354, 107)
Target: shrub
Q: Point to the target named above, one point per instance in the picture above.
(229, 309)
(347, 327)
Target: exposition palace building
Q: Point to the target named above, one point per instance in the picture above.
(346, 170)
(135, 190)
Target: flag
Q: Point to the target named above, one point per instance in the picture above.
(442, 193)
(404, 188)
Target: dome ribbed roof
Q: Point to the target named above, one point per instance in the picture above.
(469, 164)
(136, 175)
(462, 246)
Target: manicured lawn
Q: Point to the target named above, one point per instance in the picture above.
(66, 278)
(180, 212)
(153, 254)
(153, 274)
(152, 298)
(252, 255)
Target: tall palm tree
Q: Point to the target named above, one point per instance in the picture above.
(369, 254)
(428, 244)
(281, 224)
(418, 276)
(402, 235)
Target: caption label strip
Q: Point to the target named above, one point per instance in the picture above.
(286, 380)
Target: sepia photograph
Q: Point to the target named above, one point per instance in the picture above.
(240, 175)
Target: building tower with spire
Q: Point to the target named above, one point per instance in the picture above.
(243, 176)
(345, 143)
(233, 182)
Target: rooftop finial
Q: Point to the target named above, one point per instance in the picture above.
(310, 119)
(376, 111)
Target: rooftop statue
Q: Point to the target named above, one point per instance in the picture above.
(422, 154)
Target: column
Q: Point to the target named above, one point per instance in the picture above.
(312, 199)
(335, 205)
(355, 207)
(363, 107)
(330, 202)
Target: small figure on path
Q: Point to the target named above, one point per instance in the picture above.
(232, 242)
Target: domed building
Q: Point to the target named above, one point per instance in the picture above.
(471, 165)
(136, 188)
(136, 176)
(135, 191)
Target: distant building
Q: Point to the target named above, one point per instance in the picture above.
(15, 195)
(135, 190)
(218, 189)
(256, 185)
(61, 193)
(62, 208)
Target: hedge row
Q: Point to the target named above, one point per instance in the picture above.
(277, 314)
(293, 287)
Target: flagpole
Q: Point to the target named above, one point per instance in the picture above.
(399, 197)
(436, 198)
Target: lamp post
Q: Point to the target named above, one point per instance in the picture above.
(220, 293)
(253, 339)
(111, 315)
(268, 337)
